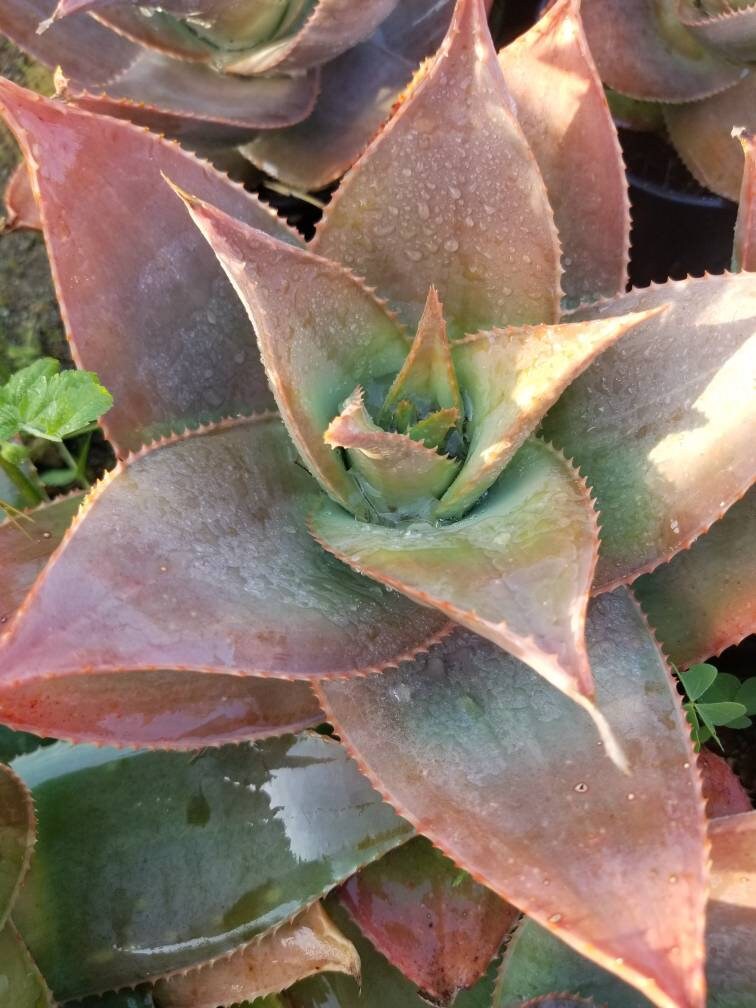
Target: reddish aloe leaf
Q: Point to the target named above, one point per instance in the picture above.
(333, 27)
(664, 460)
(17, 832)
(26, 545)
(512, 377)
(81, 47)
(145, 303)
(506, 777)
(702, 600)
(563, 112)
(156, 31)
(333, 334)
(732, 32)
(723, 793)
(395, 473)
(20, 202)
(643, 50)
(744, 247)
(187, 100)
(433, 922)
(702, 133)
(450, 194)
(517, 570)
(309, 944)
(237, 555)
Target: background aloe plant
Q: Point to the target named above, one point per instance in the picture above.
(694, 57)
(241, 573)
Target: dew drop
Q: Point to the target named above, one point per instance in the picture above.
(413, 254)
(47, 535)
(555, 918)
(672, 879)
(581, 788)
(451, 244)
(631, 796)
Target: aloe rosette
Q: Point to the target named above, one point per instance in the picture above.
(300, 85)
(695, 57)
(477, 448)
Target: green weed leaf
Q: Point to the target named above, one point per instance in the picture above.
(698, 679)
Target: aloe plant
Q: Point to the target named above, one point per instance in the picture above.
(695, 58)
(301, 85)
(415, 515)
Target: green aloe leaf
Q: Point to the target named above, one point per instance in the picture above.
(21, 983)
(221, 845)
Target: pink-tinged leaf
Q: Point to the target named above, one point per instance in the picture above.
(723, 793)
(702, 133)
(320, 331)
(433, 922)
(647, 422)
(744, 245)
(22, 210)
(731, 32)
(449, 194)
(333, 27)
(702, 601)
(517, 570)
(145, 303)
(395, 473)
(209, 568)
(564, 115)
(643, 50)
(504, 775)
(26, 544)
(309, 944)
(191, 101)
(81, 47)
(357, 92)
(157, 31)
(511, 378)
(732, 909)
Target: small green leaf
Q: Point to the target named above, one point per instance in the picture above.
(746, 695)
(725, 687)
(720, 713)
(741, 722)
(698, 679)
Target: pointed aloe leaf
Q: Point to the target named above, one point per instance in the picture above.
(320, 330)
(17, 832)
(450, 194)
(729, 27)
(511, 377)
(744, 246)
(647, 422)
(146, 305)
(431, 920)
(310, 944)
(427, 377)
(723, 793)
(395, 472)
(240, 840)
(643, 50)
(432, 429)
(536, 960)
(564, 115)
(517, 570)
(702, 135)
(22, 980)
(22, 209)
(333, 27)
(382, 983)
(504, 775)
(272, 601)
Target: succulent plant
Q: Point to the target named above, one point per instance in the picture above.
(301, 85)
(481, 442)
(694, 57)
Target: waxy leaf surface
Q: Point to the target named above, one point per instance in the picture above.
(310, 944)
(511, 377)
(702, 135)
(730, 29)
(21, 207)
(564, 115)
(536, 960)
(665, 459)
(433, 922)
(240, 839)
(229, 580)
(502, 773)
(744, 247)
(333, 335)
(723, 793)
(516, 570)
(145, 303)
(643, 50)
(702, 601)
(450, 194)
